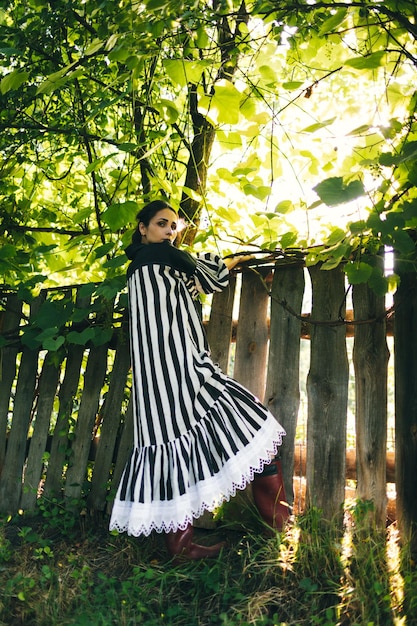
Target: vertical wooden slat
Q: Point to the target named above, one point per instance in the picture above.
(405, 342)
(59, 446)
(8, 366)
(123, 451)
(252, 333)
(66, 396)
(327, 390)
(11, 477)
(93, 383)
(48, 383)
(110, 426)
(282, 395)
(219, 330)
(370, 360)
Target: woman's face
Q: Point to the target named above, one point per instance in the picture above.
(162, 227)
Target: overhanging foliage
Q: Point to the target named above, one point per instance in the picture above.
(235, 112)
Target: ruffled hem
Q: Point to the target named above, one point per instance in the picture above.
(141, 518)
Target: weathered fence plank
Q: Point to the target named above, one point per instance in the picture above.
(219, 328)
(370, 360)
(252, 333)
(66, 396)
(48, 383)
(282, 395)
(12, 474)
(8, 355)
(110, 425)
(124, 449)
(87, 413)
(405, 342)
(327, 390)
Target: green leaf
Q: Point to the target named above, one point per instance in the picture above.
(360, 130)
(53, 314)
(292, 85)
(378, 282)
(402, 241)
(283, 207)
(80, 339)
(120, 214)
(331, 24)
(370, 61)
(358, 272)
(103, 250)
(223, 106)
(7, 251)
(288, 239)
(102, 336)
(407, 153)
(52, 344)
(59, 78)
(13, 81)
(334, 191)
(261, 192)
(168, 110)
(117, 261)
(358, 227)
(182, 71)
(95, 46)
(313, 127)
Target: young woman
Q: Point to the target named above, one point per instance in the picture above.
(198, 434)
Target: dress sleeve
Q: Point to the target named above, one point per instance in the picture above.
(211, 274)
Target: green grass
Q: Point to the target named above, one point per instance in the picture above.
(57, 568)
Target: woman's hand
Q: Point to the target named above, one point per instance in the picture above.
(231, 262)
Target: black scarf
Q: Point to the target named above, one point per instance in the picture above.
(163, 253)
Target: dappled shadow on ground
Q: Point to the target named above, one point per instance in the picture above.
(60, 568)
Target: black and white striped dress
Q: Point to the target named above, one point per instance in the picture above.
(198, 434)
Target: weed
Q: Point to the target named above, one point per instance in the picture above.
(77, 573)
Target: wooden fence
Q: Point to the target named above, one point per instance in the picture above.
(65, 415)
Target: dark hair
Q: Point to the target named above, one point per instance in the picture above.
(147, 213)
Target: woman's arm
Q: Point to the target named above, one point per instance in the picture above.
(231, 262)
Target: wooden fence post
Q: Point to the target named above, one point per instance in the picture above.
(282, 395)
(124, 449)
(66, 396)
(47, 387)
(219, 329)
(370, 360)
(87, 413)
(327, 391)
(12, 474)
(252, 333)
(8, 365)
(405, 341)
(110, 425)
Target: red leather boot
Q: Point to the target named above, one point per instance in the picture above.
(180, 545)
(269, 495)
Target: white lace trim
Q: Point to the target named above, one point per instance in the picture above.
(137, 518)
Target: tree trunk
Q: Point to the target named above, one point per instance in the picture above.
(327, 391)
(405, 341)
(282, 395)
(370, 360)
